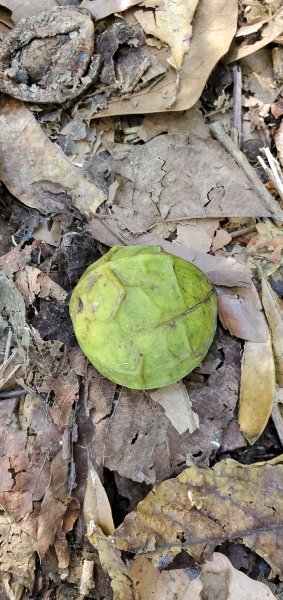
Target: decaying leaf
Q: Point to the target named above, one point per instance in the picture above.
(203, 507)
(31, 282)
(197, 233)
(171, 22)
(214, 25)
(279, 143)
(273, 308)
(49, 57)
(152, 584)
(17, 557)
(177, 406)
(270, 31)
(257, 388)
(163, 180)
(35, 170)
(96, 509)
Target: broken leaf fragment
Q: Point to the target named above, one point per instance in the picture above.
(257, 388)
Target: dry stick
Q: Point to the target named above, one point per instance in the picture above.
(219, 133)
(236, 132)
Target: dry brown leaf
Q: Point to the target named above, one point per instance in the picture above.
(97, 510)
(214, 26)
(203, 507)
(257, 389)
(197, 233)
(31, 282)
(177, 406)
(51, 236)
(221, 580)
(171, 22)
(17, 556)
(28, 8)
(35, 170)
(189, 121)
(270, 31)
(152, 584)
(273, 308)
(177, 177)
(100, 10)
(240, 311)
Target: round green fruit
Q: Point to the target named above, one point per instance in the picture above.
(144, 318)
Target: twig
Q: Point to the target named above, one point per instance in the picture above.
(8, 345)
(236, 132)
(274, 171)
(7, 395)
(242, 231)
(219, 133)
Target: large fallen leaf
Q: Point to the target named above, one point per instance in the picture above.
(273, 308)
(163, 180)
(214, 26)
(35, 170)
(257, 389)
(171, 22)
(203, 507)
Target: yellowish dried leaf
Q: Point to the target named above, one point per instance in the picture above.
(177, 406)
(273, 307)
(96, 509)
(257, 388)
(201, 508)
(156, 585)
(171, 22)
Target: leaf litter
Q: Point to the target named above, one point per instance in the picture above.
(85, 463)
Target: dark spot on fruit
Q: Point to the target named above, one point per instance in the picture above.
(80, 305)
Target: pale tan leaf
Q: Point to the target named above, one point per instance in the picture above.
(22, 9)
(197, 233)
(240, 311)
(96, 509)
(257, 389)
(222, 238)
(220, 579)
(269, 32)
(171, 22)
(100, 10)
(177, 406)
(273, 307)
(279, 143)
(37, 171)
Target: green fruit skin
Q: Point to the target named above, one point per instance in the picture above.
(144, 318)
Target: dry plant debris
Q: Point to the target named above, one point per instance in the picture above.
(108, 112)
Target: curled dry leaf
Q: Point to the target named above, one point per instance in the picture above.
(273, 307)
(270, 31)
(203, 507)
(35, 170)
(49, 58)
(171, 22)
(96, 509)
(257, 389)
